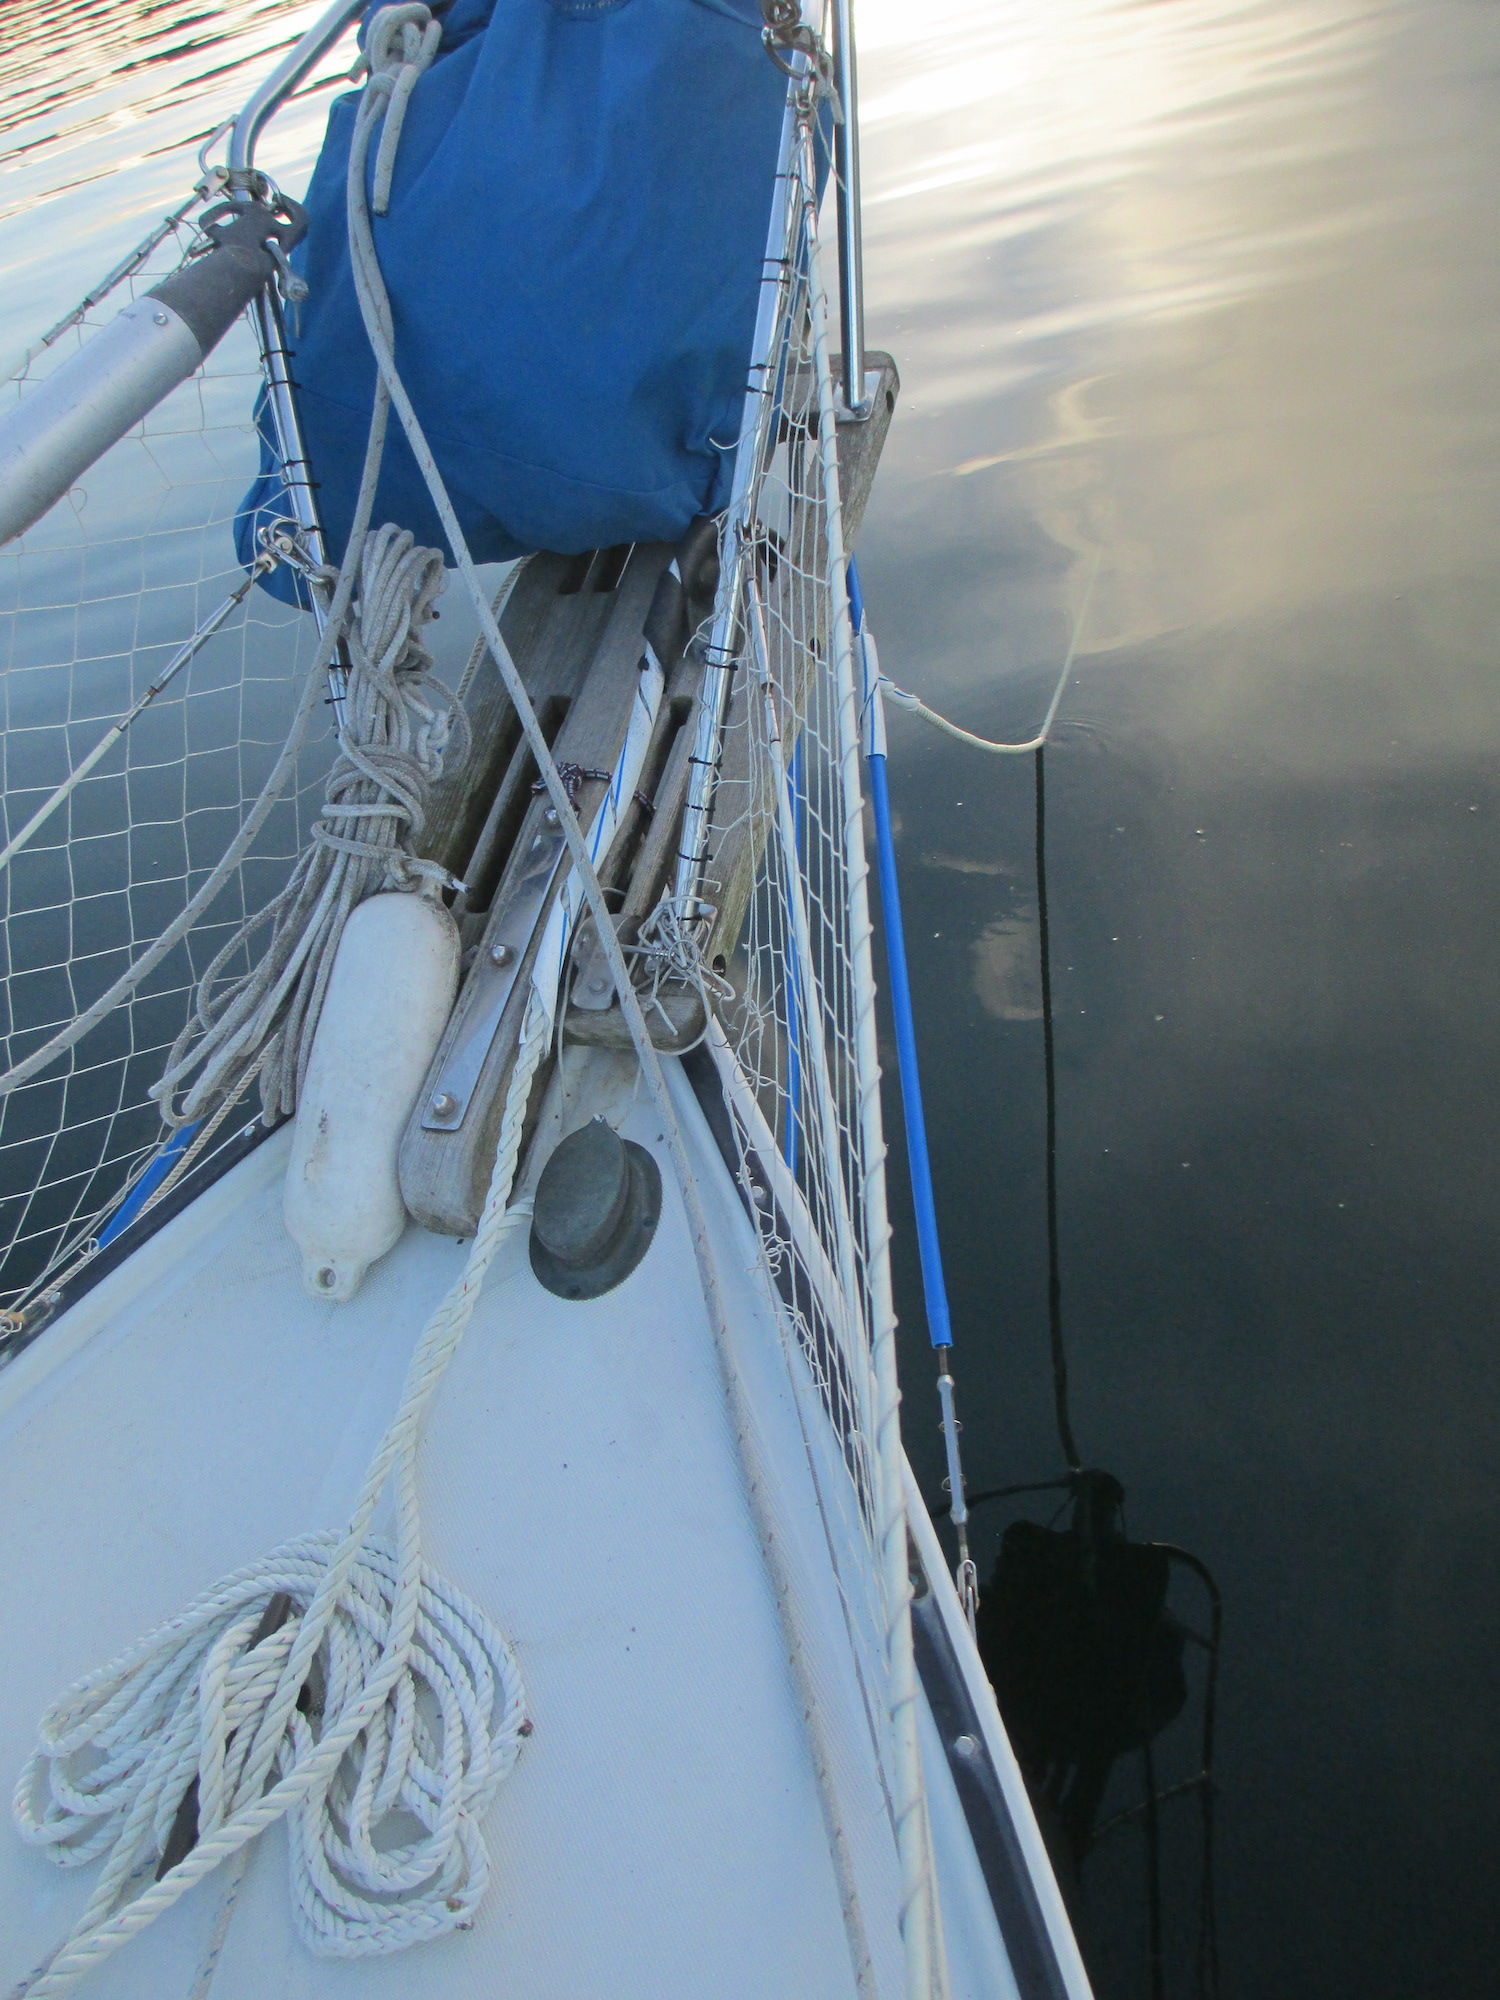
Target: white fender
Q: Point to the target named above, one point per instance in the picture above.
(389, 995)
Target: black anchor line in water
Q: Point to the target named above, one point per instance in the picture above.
(1086, 1656)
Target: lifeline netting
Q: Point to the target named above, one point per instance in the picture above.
(94, 601)
(797, 1044)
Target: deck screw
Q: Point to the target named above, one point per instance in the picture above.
(444, 1104)
(500, 954)
(550, 815)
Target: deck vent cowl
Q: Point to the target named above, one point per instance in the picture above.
(598, 1202)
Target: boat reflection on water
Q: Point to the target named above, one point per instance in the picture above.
(1081, 1635)
(1089, 1661)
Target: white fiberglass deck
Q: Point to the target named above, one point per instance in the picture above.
(661, 1834)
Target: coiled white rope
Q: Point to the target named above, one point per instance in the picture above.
(413, 1704)
(401, 727)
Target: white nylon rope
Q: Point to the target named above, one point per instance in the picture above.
(375, 307)
(914, 705)
(379, 1586)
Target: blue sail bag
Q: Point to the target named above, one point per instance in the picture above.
(573, 249)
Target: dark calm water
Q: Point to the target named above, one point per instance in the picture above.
(1200, 300)
(1210, 294)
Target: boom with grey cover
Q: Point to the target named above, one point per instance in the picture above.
(73, 417)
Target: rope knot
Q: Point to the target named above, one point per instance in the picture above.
(399, 45)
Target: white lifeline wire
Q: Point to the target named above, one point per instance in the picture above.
(184, 656)
(127, 267)
(209, 889)
(914, 705)
(379, 88)
(307, 707)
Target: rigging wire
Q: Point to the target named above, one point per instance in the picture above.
(1049, 1057)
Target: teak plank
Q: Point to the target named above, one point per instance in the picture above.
(586, 656)
(551, 623)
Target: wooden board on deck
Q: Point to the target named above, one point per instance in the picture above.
(575, 630)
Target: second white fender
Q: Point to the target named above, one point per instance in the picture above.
(389, 995)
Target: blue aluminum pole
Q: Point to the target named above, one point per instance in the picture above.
(935, 1291)
(929, 1250)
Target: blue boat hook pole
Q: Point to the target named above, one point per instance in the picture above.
(929, 1251)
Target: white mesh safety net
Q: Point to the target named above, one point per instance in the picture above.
(95, 601)
(795, 1046)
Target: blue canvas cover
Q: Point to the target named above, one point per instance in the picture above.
(573, 249)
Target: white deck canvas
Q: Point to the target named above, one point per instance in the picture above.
(661, 1834)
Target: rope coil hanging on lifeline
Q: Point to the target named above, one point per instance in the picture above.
(402, 728)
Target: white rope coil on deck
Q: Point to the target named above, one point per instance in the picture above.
(413, 1710)
(401, 727)
(173, 1711)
